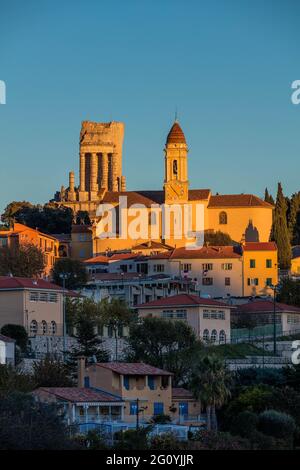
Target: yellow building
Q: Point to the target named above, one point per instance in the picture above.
(143, 386)
(260, 268)
(245, 217)
(295, 264)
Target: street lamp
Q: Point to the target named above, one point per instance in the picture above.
(64, 276)
(274, 289)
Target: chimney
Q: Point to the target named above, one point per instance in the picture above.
(80, 371)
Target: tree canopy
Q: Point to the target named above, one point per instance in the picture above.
(24, 261)
(74, 271)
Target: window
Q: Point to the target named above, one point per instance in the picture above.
(43, 297)
(252, 263)
(268, 263)
(44, 327)
(214, 314)
(165, 381)
(158, 268)
(126, 381)
(207, 266)
(227, 266)
(34, 296)
(252, 282)
(120, 331)
(53, 328)
(158, 408)
(52, 297)
(269, 281)
(167, 314)
(151, 384)
(181, 313)
(183, 408)
(227, 281)
(82, 253)
(223, 218)
(187, 267)
(222, 337)
(133, 407)
(206, 335)
(214, 335)
(33, 327)
(110, 331)
(207, 281)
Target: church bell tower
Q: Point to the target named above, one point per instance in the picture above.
(176, 184)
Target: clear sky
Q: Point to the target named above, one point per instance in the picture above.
(226, 65)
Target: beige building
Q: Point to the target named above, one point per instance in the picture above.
(209, 318)
(260, 268)
(35, 304)
(245, 217)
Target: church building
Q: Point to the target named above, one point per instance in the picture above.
(244, 217)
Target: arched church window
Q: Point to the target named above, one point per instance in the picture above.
(206, 335)
(175, 167)
(223, 218)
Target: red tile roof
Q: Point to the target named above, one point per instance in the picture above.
(121, 256)
(199, 194)
(163, 255)
(81, 395)
(207, 252)
(181, 300)
(7, 282)
(263, 306)
(176, 135)
(179, 392)
(97, 260)
(237, 200)
(133, 368)
(149, 197)
(260, 246)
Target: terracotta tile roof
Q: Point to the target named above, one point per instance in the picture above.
(207, 252)
(260, 246)
(181, 300)
(198, 194)
(150, 197)
(7, 282)
(237, 200)
(179, 392)
(120, 256)
(97, 259)
(176, 135)
(74, 394)
(163, 255)
(133, 368)
(6, 339)
(152, 245)
(264, 306)
(20, 228)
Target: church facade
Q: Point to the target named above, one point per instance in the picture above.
(244, 217)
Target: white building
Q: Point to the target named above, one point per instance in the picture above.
(7, 350)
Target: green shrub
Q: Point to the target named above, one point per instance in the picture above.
(167, 441)
(161, 419)
(245, 424)
(276, 424)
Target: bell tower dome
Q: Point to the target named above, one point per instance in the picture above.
(176, 172)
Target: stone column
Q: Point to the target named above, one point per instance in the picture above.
(82, 172)
(114, 172)
(94, 172)
(71, 181)
(104, 171)
(123, 183)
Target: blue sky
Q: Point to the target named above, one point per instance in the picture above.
(226, 65)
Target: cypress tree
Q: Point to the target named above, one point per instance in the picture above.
(268, 197)
(294, 219)
(280, 232)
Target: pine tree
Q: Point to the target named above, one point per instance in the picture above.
(280, 232)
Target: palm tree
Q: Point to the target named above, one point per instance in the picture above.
(210, 384)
